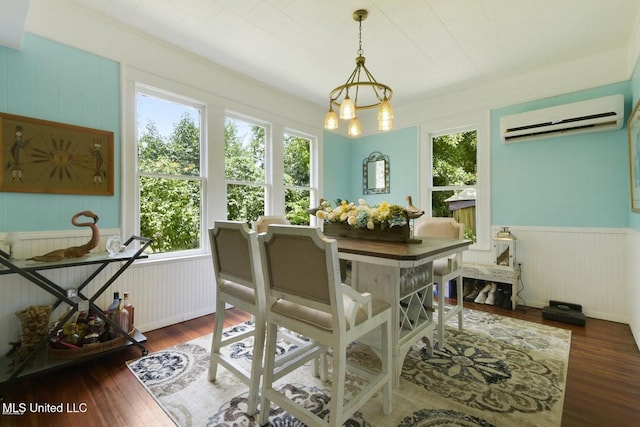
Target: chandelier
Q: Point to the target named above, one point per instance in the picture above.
(365, 90)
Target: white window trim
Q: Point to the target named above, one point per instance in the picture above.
(270, 171)
(480, 121)
(132, 81)
(314, 174)
(217, 109)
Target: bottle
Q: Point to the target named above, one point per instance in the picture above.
(114, 305)
(123, 316)
(129, 306)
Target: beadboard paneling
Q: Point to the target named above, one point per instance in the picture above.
(590, 267)
(163, 292)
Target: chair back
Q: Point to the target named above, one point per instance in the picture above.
(302, 273)
(261, 224)
(442, 228)
(234, 248)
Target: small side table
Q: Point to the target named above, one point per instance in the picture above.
(495, 273)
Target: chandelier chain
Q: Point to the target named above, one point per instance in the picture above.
(360, 51)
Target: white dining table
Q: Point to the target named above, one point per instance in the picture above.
(400, 273)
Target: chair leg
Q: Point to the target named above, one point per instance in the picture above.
(460, 301)
(441, 321)
(338, 378)
(216, 341)
(386, 368)
(256, 366)
(269, 366)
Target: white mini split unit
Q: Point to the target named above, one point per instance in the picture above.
(593, 115)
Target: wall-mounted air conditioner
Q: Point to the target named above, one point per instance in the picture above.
(593, 115)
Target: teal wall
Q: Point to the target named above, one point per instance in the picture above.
(50, 81)
(569, 181)
(579, 181)
(634, 218)
(343, 165)
(337, 165)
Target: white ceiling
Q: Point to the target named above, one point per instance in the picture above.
(420, 48)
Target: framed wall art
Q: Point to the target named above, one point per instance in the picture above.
(40, 156)
(633, 127)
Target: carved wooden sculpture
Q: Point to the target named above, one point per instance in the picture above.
(75, 251)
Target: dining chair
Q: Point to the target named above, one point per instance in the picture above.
(445, 269)
(304, 294)
(234, 249)
(261, 224)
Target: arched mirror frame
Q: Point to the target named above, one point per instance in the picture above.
(375, 174)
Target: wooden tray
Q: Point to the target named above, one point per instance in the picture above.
(89, 349)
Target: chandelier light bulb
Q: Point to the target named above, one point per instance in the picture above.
(347, 109)
(385, 111)
(354, 128)
(384, 125)
(331, 120)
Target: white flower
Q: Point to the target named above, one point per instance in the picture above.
(370, 225)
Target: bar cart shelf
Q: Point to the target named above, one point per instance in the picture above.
(38, 360)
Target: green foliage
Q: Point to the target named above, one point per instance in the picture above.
(297, 172)
(454, 165)
(454, 159)
(244, 163)
(170, 204)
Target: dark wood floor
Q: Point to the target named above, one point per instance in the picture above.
(603, 382)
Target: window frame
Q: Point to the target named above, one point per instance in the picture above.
(267, 184)
(212, 152)
(479, 122)
(314, 199)
(173, 92)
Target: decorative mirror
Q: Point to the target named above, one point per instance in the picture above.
(375, 174)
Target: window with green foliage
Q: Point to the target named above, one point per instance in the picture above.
(244, 166)
(169, 171)
(297, 178)
(248, 168)
(455, 178)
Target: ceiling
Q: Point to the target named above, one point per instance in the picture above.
(420, 48)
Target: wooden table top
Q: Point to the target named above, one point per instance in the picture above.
(427, 248)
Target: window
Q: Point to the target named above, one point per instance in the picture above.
(169, 172)
(454, 178)
(297, 178)
(455, 174)
(245, 169)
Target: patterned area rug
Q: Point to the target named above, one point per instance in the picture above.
(497, 372)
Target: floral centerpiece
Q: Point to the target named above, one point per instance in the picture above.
(361, 220)
(362, 215)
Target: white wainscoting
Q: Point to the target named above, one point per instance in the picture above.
(586, 266)
(634, 280)
(163, 292)
(592, 267)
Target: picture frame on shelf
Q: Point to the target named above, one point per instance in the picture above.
(41, 156)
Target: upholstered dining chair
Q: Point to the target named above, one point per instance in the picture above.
(261, 224)
(239, 282)
(445, 270)
(305, 295)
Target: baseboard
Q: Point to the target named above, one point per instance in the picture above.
(174, 320)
